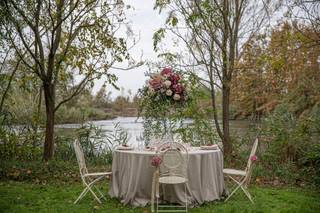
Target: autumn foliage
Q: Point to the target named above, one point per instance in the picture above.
(282, 66)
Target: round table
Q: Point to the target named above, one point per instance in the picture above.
(132, 174)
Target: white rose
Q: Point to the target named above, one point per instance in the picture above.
(168, 92)
(167, 83)
(176, 97)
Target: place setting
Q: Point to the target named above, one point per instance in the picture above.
(125, 147)
(209, 147)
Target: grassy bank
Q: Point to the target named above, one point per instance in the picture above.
(55, 197)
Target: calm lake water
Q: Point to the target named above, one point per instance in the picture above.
(134, 127)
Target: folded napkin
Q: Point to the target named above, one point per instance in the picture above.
(125, 148)
(148, 148)
(209, 147)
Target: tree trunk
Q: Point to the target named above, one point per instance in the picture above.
(50, 103)
(226, 79)
(215, 114)
(227, 146)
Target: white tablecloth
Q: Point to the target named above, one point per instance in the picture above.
(132, 178)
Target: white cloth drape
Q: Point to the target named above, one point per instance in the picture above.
(133, 175)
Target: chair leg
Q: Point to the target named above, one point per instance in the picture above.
(101, 194)
(88, 188)
(231, 194)
(157, 204)
(244, 187)
(239, 185)
(235, 185)
(94, 195)
(83, 193)
(186, 197)
(246, 192)
(157, 189)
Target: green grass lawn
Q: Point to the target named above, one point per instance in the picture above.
(27, 197)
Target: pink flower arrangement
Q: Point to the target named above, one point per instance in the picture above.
(156, 161)
(168, 84)
(166, 71)
(253, 158)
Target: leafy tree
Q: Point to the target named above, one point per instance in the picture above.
(213, 33)
(305, 13)
(64, 39)
(102, 99)
(280, 68)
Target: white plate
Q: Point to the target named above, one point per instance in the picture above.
(125, 148)
(213, 147)
(150, 149)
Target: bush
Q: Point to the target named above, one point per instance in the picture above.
(23, 161)
(20, 143)
(97, 144)
(290, 147)
(40, 172)
(80, 114)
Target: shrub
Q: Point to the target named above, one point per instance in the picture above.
(22, 161)
(290, 146)
(80, 114)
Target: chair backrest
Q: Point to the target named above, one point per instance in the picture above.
(155, 141)
(174, 159)
(249, 164)
(80, 157)
(253, 152)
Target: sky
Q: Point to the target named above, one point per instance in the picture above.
(144, 21)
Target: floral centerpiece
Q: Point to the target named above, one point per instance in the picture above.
(162, 102)
(167, 85)
(166, 100)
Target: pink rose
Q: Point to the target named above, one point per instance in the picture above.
(155, 83)
(178, 89)
(156, 161)
(253, 158)
(166, 71)
(174, 78)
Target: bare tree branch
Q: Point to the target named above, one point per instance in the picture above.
(3, 97)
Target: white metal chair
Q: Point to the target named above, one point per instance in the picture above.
(173, 170)
(245, 175)
(155, 142)
(88, 179)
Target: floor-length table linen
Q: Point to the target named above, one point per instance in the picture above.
(132, 174)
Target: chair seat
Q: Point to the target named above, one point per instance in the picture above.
(172, 180)
(98, 174)
(234, 172)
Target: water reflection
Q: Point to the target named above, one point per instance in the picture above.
(134, 127)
